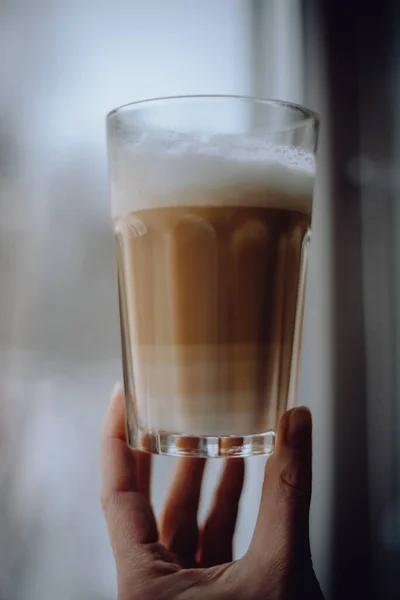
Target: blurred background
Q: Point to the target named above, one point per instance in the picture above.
(64, 65)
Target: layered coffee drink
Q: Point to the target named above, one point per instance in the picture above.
(212, 258)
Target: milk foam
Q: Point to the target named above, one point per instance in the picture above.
(158, 171)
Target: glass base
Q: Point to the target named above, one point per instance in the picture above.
(207, 446)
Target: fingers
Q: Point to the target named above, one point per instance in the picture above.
(283, 520)
(179, 529)
(129, 517)
(219, 528)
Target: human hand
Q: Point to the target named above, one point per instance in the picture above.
(174, 560)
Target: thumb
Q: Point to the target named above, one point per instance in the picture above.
(283, 520)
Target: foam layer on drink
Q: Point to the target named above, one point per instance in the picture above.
(180, 170)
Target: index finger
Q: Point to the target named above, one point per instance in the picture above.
(130, 519)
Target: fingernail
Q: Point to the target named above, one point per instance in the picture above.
(299, 427)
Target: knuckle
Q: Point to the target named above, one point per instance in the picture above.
(110, 500)
(295, 480)
(105, 501)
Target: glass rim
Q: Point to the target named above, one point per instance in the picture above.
(309, 115)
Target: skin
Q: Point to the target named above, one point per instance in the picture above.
(174, 559)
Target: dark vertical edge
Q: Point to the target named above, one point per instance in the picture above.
(378, 79)
(351, 569)
(352, 573)
(396, 234)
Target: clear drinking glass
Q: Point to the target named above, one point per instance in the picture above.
(211, 202)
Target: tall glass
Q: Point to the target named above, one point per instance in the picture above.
(211, 201)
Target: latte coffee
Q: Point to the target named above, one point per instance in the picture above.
(212, 258)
